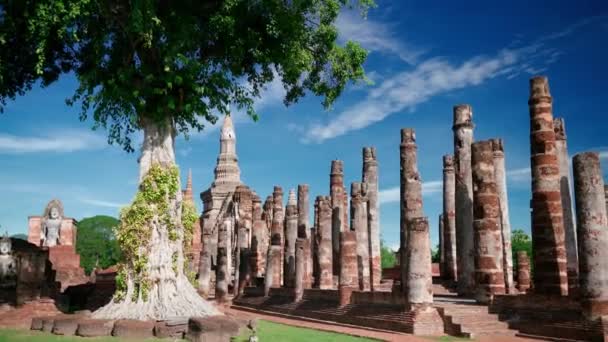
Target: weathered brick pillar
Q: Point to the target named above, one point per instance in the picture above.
(441, 251)
(463, 138)
(276, 230)
(561, 148)
(419, 278)
(523, 271)
(324, 252)
(301, 246)
(273, 267)
(489, 276)
(259, 240)
(370, 177)
(606, 194)
(550, 273)
(359, 223)
(304, 232)
(411, 194)
(505, 223)
(291, 234)
(336, 192)
(592, 233)
(348, 261)
(221, 275)
(449, 217)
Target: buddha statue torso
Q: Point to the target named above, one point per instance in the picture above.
(8, 264)
(51, 226)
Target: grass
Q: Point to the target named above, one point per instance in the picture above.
(267, 331)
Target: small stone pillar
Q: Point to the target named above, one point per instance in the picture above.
(411, 194)
(561, 148)
(304, 232)
(523, 271)
(463, 138)
(301, 246)
(221, 275)
(348, 261)
(505, 223)
(548, 237)
(370, 178)
(278, 221)
(324, 237)
(336, 191)
(449, 218)
(489, 276)
(419, 279)
(291, 234)
(359, 223)
(441, 246)
(592, 233)
(273, 267)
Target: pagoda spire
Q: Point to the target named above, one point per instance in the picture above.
(187, 193)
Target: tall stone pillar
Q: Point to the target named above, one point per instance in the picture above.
(489, 275)
(304, 232)
(411, 194)
(359, 223)
(561, 149)
(291, 234)
(419, 279)
(301, 247)
(273, 268)
(325, 255)
(336, 192)
(463, 138)
(276, 231)
(441, 245)
(523, 271)
(606, 194)
(449, 217)
(505, 223)
(348, 261)
(550, 274)
(370, 177)
(221, 275)
(259, 240)
(592, 233)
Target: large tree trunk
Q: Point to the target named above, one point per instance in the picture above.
(170, 293)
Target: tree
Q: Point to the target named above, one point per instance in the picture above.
(166, 68)
(20, 236)
(96, 242)
(388, 259)
(520, 241)
(435, 254)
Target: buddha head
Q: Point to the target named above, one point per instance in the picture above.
(5, 245)
(53, 210)
(54, 214)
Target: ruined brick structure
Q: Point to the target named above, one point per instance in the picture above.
(489, 276)
(323, 220)
(370, 177)
(441, 223)
(291, 234)
(550, 273)
(419, 281)
(259, 239)
(505, 223)
(449, 218)
(359, 224)
(304, 233)
(561, 147)
(592, 233)
(463, 138)
(337, 195)
(194, 252)
(276, 233)
(523, 271)
(348, 261)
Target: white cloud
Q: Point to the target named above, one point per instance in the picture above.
(101, 203)
(391, 195)
(55, 141)
(375, 36)
(519, 175)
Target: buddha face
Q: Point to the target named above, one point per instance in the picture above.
(54, 213)
(5, 247)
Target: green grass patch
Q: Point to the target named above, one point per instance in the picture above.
(269, 331)
(9, 335)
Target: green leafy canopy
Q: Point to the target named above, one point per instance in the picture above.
(185, 61)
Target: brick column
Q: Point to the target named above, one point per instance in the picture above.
(301, 245)
(463, 138)
(324, 239)
(348, 261)
(291, 234)
(550, 274)
(441, 246)
(370, 177)
(359, 223)
(277, 238)
(273, 267)
(489, 276)
(221, 275)
(419, 279)
(523, 271)
(336, 192)
(561, 149)
(259, 239)
(304, 232)
(449, 217)
(505, 223)
(592, 233)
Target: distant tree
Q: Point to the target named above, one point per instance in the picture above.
(96, 242)
(520, 241)
(388, 259)
(20, 236)
(435, 256)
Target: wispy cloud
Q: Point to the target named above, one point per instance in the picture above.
(376, 36)
(519, 175)
(102, 203)
(391, 195)
(59, 141)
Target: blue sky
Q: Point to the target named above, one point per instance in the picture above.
(424, 58)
